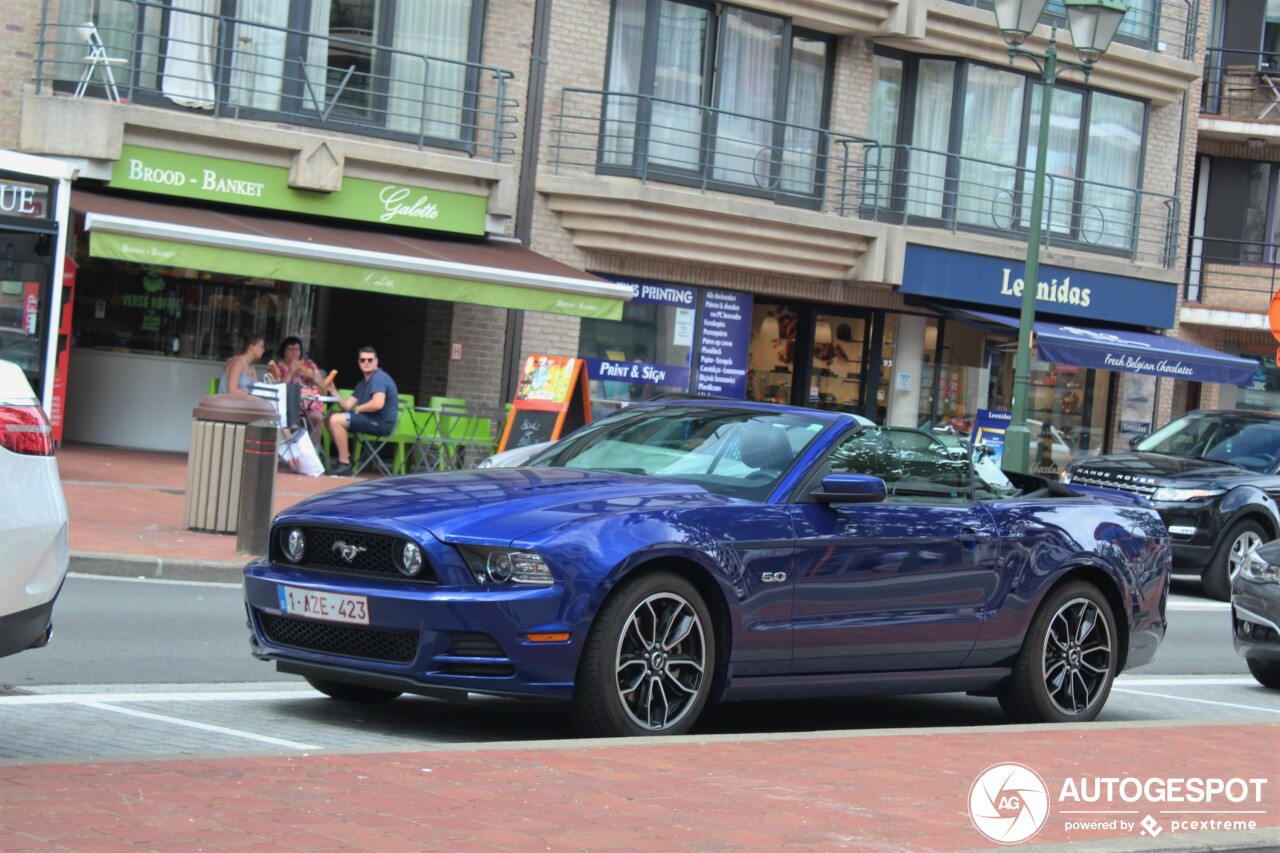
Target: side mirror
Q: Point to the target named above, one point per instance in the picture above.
(851, 489)
(1133, 442)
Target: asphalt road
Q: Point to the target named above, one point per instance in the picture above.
(150, 667)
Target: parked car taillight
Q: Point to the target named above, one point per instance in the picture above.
(24, 428)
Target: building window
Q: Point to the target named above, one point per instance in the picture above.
(966, 138)
(722, 95)
(400, 66)
(1241, 221)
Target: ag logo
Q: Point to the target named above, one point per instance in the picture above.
(1008, 803)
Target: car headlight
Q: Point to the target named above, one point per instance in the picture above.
(497, 565)
(294, 542)
(1175, 495)
(1255, 568)
(1064, 476)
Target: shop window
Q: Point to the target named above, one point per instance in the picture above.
(183, 313)
(702, 93)
(653, 334)
(774, 329)
(1066, 407)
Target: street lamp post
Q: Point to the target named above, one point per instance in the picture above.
(1093, 25)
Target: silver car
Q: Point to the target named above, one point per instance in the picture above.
(33, 517)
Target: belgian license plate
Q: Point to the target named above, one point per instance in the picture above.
(329, 606)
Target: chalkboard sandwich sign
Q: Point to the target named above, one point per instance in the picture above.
(552, 400)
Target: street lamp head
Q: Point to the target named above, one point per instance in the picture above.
(1093, 25)
(1017, 18)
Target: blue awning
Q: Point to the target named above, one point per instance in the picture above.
(1133, 352)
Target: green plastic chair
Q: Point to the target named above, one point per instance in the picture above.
(404, 435)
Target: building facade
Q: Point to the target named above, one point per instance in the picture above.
(818, 202)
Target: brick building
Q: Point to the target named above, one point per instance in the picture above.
(818, 202)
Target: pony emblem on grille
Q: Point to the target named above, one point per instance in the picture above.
(348, 552)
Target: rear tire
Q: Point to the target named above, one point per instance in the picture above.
(1222, 569)
(648, 662)
(352, 692)
(1267, 673)
(1068, 659)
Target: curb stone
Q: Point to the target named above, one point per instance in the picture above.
(132, 565)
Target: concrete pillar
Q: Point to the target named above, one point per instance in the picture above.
(908, 371)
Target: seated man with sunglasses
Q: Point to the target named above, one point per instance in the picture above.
(371, 409)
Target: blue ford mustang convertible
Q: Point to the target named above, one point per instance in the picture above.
(680, 553)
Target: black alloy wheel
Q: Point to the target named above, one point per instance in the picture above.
(1068, 660)
(648, 662)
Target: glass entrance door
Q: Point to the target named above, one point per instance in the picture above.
(26, 265)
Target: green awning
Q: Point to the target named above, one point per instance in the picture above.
(494, 273)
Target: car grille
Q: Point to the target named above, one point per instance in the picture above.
(379, 556)
(1091, 478)
(344, 640)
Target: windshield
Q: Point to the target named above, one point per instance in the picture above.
(1240, 439)
(733, 452)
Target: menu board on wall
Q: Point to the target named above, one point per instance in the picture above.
(725, 339)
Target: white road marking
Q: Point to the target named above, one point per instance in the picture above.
(140, 579)
(102, 706)
(88, 698)
(1191, 604)
(1186, 681)
(1199, 701)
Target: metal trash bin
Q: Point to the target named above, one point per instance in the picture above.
(257, 486)
(216, 460)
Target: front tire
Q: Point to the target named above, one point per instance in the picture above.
(1267, 673)
(648, 662)
(352, 692)
(1068, 659)
(1222, 569)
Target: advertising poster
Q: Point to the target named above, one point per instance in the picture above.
(546, 378)
(725, 344)
(988, 429)
(1137, 406)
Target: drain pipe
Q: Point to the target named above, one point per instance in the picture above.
(525, 192)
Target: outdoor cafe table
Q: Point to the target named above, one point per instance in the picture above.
(445, 433)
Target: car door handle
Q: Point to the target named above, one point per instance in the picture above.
(972, 537)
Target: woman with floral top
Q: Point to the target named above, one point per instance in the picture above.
(292, 367)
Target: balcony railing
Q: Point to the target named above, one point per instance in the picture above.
(237, 67)
(1232, 275)
(916, 186)
(652, 139)
(1243, 84)
(1160, 26)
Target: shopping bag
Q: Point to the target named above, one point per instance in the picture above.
(299, 454)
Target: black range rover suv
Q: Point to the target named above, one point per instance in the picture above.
(1214, 476)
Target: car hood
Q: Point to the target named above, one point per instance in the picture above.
(1157, 468)
(497, 503)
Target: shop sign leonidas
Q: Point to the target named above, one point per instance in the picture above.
(192, 176)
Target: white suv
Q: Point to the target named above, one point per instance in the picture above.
(33, 517)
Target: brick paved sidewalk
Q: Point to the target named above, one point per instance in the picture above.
(129, 504)
(868, 791)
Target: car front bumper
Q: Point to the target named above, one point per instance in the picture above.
(421, 637)
(1255, 619)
